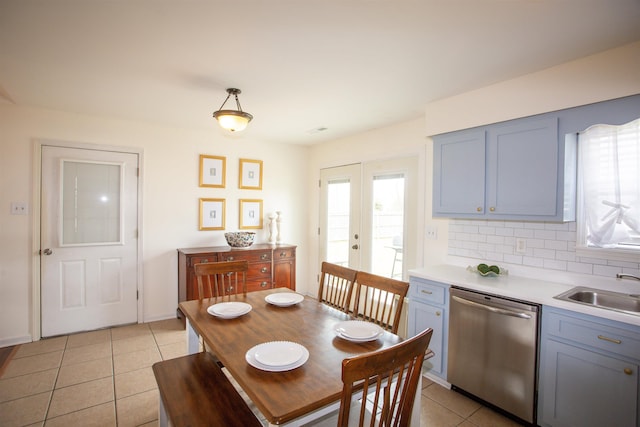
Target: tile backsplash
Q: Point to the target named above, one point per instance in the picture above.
(533, 244)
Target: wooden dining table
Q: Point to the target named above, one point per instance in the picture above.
(292, 397)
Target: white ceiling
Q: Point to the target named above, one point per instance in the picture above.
(347, 65)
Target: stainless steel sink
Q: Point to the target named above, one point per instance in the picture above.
(603, 299)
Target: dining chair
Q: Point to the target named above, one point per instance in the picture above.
(389, 381)
(336, 285)
(379, 300)
(222, 279)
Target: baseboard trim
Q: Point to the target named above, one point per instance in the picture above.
(15, 341)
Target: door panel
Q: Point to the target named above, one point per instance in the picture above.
(340, 215)
(89, 241)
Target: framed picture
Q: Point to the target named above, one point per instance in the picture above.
(250, 174)
(212, 171)
(250, 213)
(212, 212)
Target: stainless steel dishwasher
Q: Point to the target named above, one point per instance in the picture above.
(493, 350)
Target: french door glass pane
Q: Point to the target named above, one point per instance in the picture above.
(90, 203)
(388, 225)
(338, 211)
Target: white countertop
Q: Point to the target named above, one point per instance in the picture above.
(525, 288)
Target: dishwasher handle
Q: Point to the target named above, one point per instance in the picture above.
(491, 309)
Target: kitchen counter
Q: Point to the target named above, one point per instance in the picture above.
(527, 289)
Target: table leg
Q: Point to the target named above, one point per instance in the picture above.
(415, 414)
(193, 340)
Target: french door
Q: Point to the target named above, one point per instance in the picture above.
(88, 238)
(368, 216)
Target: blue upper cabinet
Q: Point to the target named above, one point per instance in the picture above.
(512, 170)
(522, 169)
(459, 173)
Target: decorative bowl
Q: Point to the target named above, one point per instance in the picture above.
(240, 239)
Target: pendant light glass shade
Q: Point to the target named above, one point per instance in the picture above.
(232, 120)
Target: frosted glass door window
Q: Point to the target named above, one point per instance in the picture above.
(91, 203)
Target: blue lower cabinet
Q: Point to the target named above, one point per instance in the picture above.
(429, 308)
(588, 371)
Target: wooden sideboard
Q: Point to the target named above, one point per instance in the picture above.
(270, 266)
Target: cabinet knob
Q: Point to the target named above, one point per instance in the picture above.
(438, 313)
(283, 254)
(492, 209)
(264, 269)
(229, 258)
(264, 256)
(628, 371)
(479, 209)
(263, 284)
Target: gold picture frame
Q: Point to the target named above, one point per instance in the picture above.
(212, 214)
(213, 171)
(250, 214)
(250, 174)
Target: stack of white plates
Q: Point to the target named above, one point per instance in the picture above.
(229, 310)
(284, 299)
(277, 356)
(358, 331)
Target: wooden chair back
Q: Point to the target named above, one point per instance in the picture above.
(379, 300)
(389, 381)
(221, 279)
(336, 285)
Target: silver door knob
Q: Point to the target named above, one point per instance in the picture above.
(47, 251)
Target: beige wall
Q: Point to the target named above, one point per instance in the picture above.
(170, 199)
(608, 75)
(171, 174)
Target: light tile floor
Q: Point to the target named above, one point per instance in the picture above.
(104, 378)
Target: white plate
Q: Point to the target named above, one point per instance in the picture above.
(358, 330)
(265, 352)
(284, 299)
(229, 310)
(278, 353)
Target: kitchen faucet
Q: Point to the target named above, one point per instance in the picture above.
(627, 276)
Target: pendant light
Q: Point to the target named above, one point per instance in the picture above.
(232, 120)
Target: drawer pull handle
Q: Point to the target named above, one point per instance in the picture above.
(229, 258)
(613, 340)
(426, 292)
(492, 209)
(264, 269)
(478, 209)
(628, 371)
(283, 254)
(264, 256)
(263, 284)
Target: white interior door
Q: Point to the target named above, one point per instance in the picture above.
(369, 216)
(89, 242)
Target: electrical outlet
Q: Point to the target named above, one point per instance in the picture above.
(431, 232)
(18, 208)
(521, 246)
